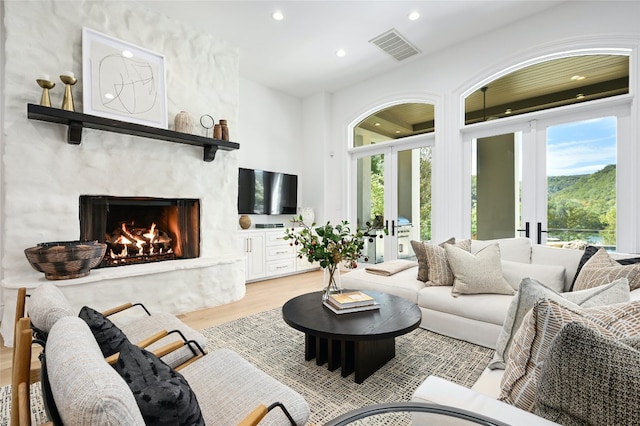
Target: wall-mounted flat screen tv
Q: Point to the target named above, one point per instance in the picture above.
(264, 192)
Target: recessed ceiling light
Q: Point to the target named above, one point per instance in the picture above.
(397, 131)
(414, 15)
(507, 111)
(377, 124)
(277, 15)
(578, 77)
(127, 54)
(580, 96)
(341, 53)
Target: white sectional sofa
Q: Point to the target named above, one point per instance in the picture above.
(477, 318)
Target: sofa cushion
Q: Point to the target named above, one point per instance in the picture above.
(86, 389)
(489, 308)
(436, 390)
(108, 336)
(438, 265)
(479, 273)
(551, 275)
(590, 378)
(532, 290)
(602, 268)
(513, 249)
(163, 395)
(536, 334)
(46, 305)
(567, 258)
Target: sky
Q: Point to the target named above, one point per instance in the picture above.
(577, 148)
(582, 147)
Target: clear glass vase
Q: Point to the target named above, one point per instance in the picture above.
(331, 281)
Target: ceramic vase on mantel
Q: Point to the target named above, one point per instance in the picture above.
(331, 281)
(183, 122)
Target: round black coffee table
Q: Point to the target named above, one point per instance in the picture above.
(359, 342)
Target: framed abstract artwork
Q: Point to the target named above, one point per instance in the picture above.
(122, 81)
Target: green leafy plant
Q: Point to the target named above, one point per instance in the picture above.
(328, 245)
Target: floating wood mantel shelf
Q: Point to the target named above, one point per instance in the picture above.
(77, 121)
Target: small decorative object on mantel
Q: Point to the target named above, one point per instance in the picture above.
(225, 130)
(66, 259)
(330, 246)
(45, 83)
(245, 221)
(207, 122)
(217, 132)
(69, 79)
(183, 122)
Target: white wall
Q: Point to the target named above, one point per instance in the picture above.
(446, 75)
(275, 138)
(43, 176)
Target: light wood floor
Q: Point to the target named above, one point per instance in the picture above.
(261, 296)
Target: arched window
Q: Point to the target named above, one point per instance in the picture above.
(549, 84)
(391, 166)
(552, 175)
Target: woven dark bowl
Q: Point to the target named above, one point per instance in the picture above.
(66, 259)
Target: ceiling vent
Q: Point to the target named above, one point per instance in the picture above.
(393, 43)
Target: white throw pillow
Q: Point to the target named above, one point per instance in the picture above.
(531, 291)
(551, 275)
(481, 273)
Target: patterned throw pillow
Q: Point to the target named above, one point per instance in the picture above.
(602, 269)
(540, 327)
(109, 337)
(589, 251)
(532, 290)
(439, 271)
(479, 273)
(163, 395)
(421, 254)
(590, 377)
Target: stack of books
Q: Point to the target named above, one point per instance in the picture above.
(353, 301)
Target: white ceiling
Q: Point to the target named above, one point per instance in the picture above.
(297, 55)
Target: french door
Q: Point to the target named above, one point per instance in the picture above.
(392, 196)
(551, 180)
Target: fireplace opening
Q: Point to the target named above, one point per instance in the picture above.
(141, 229)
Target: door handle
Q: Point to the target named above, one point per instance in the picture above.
(526, 229)
(540, 231)
(393, 228)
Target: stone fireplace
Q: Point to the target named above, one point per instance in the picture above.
(141, 229)
(43, 177)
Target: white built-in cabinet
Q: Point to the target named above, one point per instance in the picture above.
(269, 255)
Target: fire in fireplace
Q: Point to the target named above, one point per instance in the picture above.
(141, 229)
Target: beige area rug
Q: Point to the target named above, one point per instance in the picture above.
(270, 344)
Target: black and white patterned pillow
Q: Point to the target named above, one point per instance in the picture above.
(163, 395)
(587, 378)
(109, 337)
